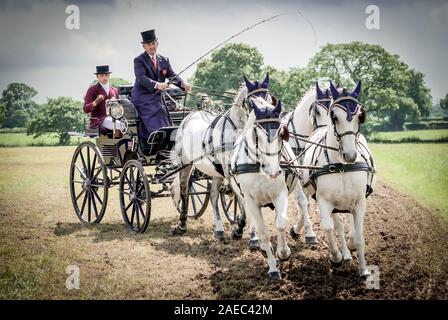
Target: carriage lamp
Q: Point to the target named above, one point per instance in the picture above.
(116, 111)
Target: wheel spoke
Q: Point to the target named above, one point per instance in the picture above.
(88, 161)
(84, 204)
(97, 196)
(93, 166)
(82, 173)
(200, 184)
(80, 194)
(132, 214)
(141, 211)
(89, 209)
(131, 169)
(126, 210)
(80, 182)
(82, 159)
(193, 203)
(200, 200)
(95, 209)
(138, 217)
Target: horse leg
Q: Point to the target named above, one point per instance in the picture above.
(351, 234)
(339, 225)
(358, 215)
(281, 222)
(184, 177)
(237, 232)
(266, 246)
(325, 209)
(214, 196)
(254, 240)
(303, 218)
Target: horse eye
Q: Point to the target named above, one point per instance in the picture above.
(317, 112)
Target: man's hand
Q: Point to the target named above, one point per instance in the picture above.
(162, 86)
(186, 86)
(98, 100)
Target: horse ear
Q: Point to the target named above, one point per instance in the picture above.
(257, 111)
(334, 91)
(357, 90)
(265, 82)
(319, 92)
(249, 84)
(278, 108)
(284, 133)
(362, 116)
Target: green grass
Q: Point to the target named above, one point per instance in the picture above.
(413, 134)
(420, 170)
(22, 140)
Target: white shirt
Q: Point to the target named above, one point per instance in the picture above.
(106, 87)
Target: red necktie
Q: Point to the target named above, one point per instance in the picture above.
(154, 61)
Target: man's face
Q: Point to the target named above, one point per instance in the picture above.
(151, 47)
(103, 78)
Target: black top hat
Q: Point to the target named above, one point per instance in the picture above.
(102, 70)
(148, 36)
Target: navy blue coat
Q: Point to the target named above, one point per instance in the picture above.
(146, 98)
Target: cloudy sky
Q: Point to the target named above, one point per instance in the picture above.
(38, 49)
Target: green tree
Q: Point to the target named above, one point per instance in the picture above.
(2, 112)
(59, 116)
(382, 74)
(115, 82)
(224, 70)
(444, 103)
(18, 104)
(420, 93)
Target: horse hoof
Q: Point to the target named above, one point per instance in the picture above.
(236, 235)
(337, 264)
(283, 259)
(293, 234)
(177, 231)
(219, 235)
(254, 244)
(274, 275)
(310, 240)
(364, 274)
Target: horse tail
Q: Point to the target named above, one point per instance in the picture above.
(175, 189)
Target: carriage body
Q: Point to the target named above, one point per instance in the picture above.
(117, 159)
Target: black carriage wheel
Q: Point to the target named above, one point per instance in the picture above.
(199, 196)
(135, 197)
(88, 183)
(230, 206)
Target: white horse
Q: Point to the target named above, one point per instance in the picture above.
(346, 176)
(258, 178)
(204, 141)
(309, 115)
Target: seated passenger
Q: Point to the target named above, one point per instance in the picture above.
(95, 103)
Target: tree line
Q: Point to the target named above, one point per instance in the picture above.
(392, 92)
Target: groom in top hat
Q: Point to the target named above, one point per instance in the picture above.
(151, 70)
(95, 101)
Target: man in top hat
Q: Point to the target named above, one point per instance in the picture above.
(95, 101)
(151, 70)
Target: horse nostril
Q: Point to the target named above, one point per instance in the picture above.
(263, 166)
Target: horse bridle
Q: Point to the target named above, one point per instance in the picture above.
(313, 107)
(337, 105)
(258, 151)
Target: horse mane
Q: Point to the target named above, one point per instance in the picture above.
(310, 93)
(236, 111)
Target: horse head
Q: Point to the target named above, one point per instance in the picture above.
(346, 115)
(268, 134)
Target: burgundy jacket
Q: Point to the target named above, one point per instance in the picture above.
(98, 113)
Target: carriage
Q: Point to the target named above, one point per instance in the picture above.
(117, 159)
